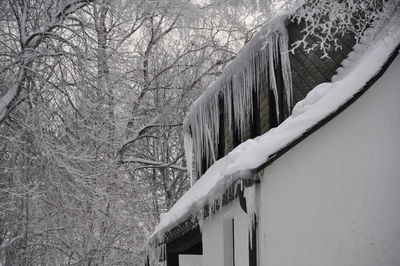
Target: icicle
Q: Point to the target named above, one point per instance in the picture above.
(286, 69)
(210, 140)
(189, 155)
(272, 58)
(155, 250)
(200, 218)
(250, 195)
(261, 55)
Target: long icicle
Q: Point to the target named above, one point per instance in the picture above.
(236, 85)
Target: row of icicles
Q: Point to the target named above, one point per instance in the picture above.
(256, 61)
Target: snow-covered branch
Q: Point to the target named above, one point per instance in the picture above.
(92, 152)
(153, 164)
(10, 242)
(326, 21)
(30, 41)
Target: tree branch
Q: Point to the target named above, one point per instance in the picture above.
(154, 164)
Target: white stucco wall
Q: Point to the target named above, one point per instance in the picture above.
(190, 260)
(215, 241)
(334, 199)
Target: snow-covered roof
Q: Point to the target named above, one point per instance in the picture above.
(367, 59)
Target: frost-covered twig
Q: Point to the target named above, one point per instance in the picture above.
(153, 164)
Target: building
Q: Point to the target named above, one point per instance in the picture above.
(317, 184)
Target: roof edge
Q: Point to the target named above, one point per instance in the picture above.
(328, 118)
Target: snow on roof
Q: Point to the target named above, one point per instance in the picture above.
(320, 102)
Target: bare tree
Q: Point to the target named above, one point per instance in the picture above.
(92, 99)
